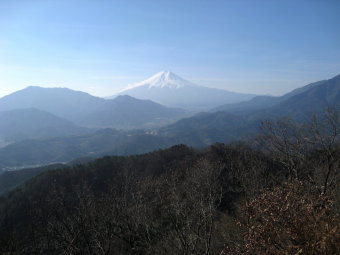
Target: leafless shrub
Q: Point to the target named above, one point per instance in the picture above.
(291, 219)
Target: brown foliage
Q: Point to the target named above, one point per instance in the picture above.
(293, 218)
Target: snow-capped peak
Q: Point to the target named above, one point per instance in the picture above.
(163, 79)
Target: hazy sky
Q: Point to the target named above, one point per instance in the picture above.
(98, 46)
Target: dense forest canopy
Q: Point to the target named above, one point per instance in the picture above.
(276, 194)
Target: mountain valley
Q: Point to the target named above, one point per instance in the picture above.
(136, 125)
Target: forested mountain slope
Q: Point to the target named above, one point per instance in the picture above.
(172, 200)
(265, 102)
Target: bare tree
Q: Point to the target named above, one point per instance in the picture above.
(191, 207)
(285, 141)
(291, 219)
(306, 150)
(324, 135)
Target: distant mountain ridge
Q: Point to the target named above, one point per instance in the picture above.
(200, 130)
(126, 112)
(263, 102)
(242, 122)
(62, 102)
(31, 123)
(311, 99)
(171, 90)
(86, 110)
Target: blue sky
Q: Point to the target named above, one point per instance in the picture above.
(99, 46)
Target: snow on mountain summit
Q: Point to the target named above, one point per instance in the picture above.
(169, 89)
(165, 79)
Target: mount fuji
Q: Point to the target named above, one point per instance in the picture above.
(171, 90)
